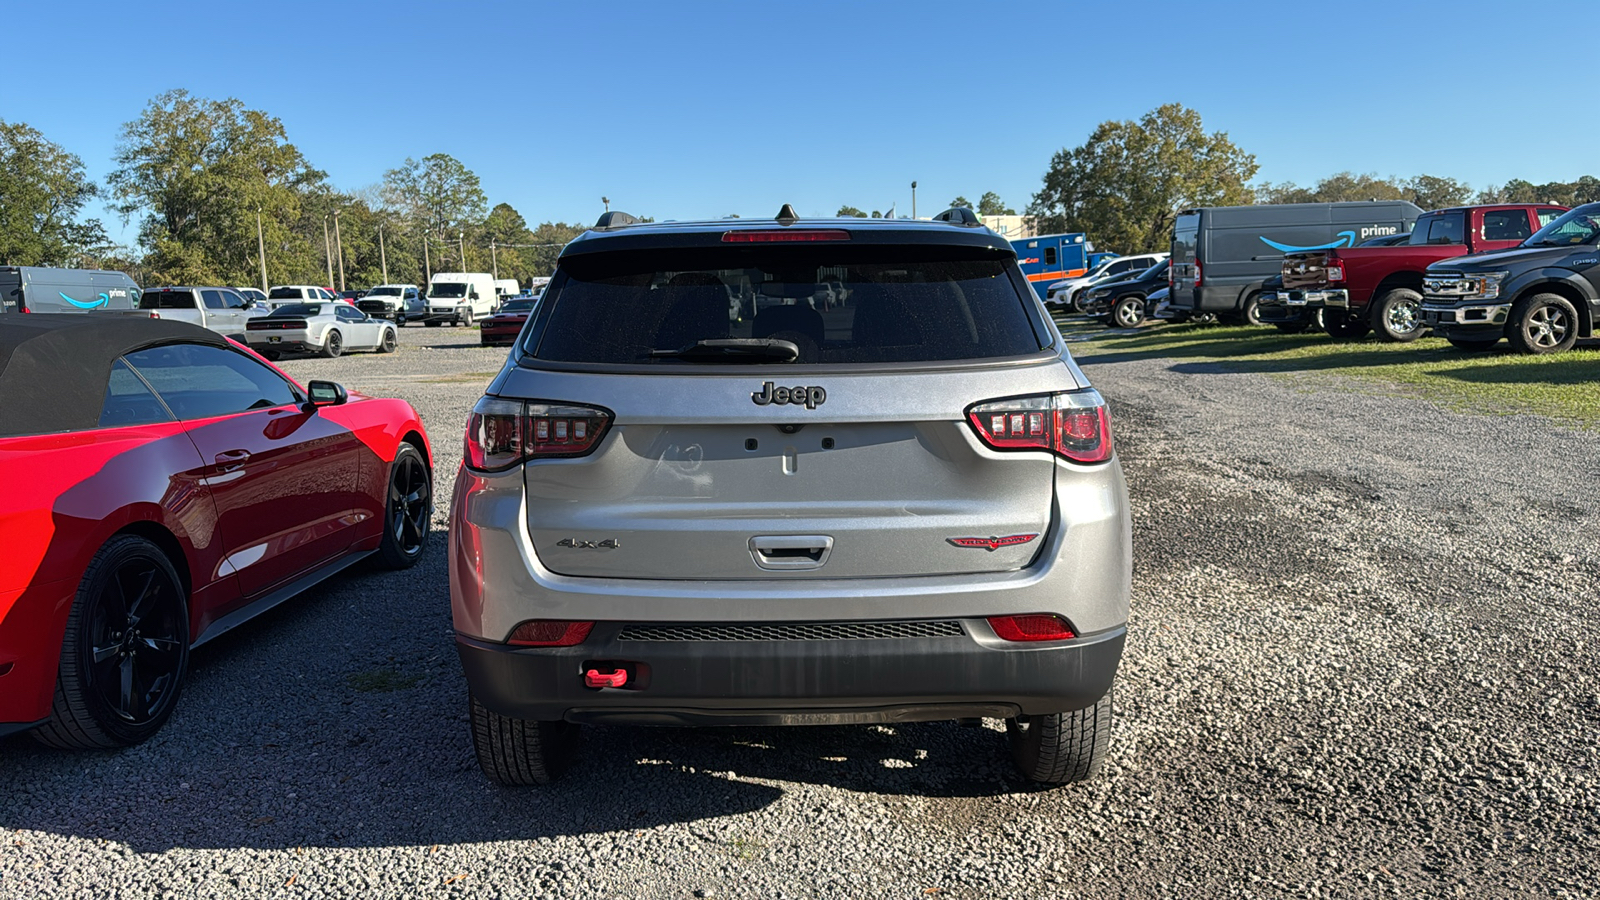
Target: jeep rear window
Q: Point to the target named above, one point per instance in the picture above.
(899, 304)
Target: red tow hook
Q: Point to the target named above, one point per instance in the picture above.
(597, 679)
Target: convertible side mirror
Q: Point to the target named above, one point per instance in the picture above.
(326, 393)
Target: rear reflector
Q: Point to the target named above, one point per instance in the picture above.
(1041, 627)
(546, 633)
(784, 236)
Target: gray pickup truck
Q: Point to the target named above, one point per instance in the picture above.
(219, 309)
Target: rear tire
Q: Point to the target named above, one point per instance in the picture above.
(389, 341)
(333, 344)
(520, 752)
(408, 509)
(1473, 346)
(1397, 316)
(1128, 312)
(1062, 748)
(1542, 323)
(125, 652)
(1250, 312)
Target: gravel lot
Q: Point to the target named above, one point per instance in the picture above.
(1362, 662)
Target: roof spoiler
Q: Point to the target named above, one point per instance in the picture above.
(959, 215)
(614, 219)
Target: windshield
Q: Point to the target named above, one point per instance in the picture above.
(284, 293)
(902, 304)
(1576, 226)
(447, 289)
(298, 309)
(385, 291)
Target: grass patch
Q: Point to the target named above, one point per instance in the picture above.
(382, 681)
(1562, 386)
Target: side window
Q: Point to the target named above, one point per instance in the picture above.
(234, 301)
(411, 293)
(129, 401)
(1506, 225)
(1546, 216)
(1449, 228)
(214, 300)
(1049, 256)
(347, 313)
(199, 381)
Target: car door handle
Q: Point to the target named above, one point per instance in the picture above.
(791, 551)
(228, 460)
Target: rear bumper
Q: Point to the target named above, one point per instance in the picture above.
(793, 682)
(1306, 299)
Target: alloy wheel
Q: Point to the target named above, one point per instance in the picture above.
(1403, 318)
(135, 640)
(410, 504)
(1547, 326)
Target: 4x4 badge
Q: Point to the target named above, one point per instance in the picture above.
(580, 544)
(811, 397)
(992, 543)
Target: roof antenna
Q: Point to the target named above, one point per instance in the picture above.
(786, 216)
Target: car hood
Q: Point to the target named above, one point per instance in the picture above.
(1519, 256)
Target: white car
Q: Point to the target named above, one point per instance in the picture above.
(1061, 293)
(329, 328)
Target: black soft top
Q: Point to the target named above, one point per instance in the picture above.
(54, 368)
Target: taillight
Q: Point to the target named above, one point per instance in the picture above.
(1196, 265)
(1334, 271)
(785, 236)
(1040, 627)
(548, 633)
(1074, 425)
(504, 433)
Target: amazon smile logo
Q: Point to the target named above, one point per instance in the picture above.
(1346, 239)
(86, 304)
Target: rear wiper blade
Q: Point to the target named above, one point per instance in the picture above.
(734, 350)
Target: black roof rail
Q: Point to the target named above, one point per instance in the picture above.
(959, 215)
(787, 214)
(615, 219)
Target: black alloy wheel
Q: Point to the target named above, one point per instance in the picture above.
(333, 344)
(125, 651)
(408, 510)
(388, 342)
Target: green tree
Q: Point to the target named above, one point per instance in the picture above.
(44, 189)
(198, 171)
(1125, 185)
(441, 198)
(850, 211)
(1435, 192)
(961, 202)
(990, 205)
(1337, 188)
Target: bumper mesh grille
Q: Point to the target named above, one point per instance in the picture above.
(803, 631)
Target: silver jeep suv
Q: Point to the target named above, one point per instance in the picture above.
(901, 507)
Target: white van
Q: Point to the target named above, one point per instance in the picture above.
(459, 298)
(505, 287)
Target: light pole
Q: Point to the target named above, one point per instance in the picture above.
(607, 202)
(327, 249)
(913, 200)
(427, 267)
(461, 241)
(383, 255)
(340, 244)
(494, 260)
(261, 245)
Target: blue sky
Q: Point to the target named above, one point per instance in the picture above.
(682, 110)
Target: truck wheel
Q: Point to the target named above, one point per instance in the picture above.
(1473, 346)
(1248, 314)
(1128, 311)
(520, 752)
(333, 344)
(1061, 748)
(1344, 326)
(125, 652)
(1397, 316)
(1542, 323)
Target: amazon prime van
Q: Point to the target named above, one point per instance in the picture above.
(38, 289)
(1222, 254)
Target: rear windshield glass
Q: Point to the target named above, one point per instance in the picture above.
(285, 293)
(865, 304)
(166, 300)
(297, 309)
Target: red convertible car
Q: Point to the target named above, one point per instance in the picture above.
(161, 486)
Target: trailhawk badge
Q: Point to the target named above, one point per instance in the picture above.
(809, 397)
(992, 543)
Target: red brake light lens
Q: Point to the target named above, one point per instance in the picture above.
(1074, 425)
(504, 433)
(547, 633)
(1196, 271)
(1040, 627)
(787, 235)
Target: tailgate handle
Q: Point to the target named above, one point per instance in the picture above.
(791, 551)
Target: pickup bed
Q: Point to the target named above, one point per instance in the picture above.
(222, 310)
(1379, 289)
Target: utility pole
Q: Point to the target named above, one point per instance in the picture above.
(913, 201)
(461, 241)
(327, 249)
(494, 260)
(340, 244)
(383, 254)
(427, 267)
(261, 244)
(607, 202)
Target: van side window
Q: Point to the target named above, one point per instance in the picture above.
(1049, 256)
(1506, 225)
(129, 401)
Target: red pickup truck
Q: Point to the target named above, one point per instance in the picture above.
(1361, 289)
